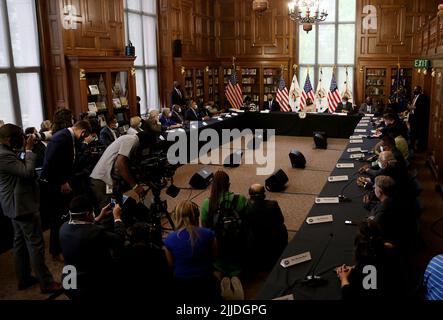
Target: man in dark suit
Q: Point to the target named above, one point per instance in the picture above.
(87, 245)
(192, 112)
(419, 120)
(177, 96)
(20, 202)
(345, 106)
(272, 105)
(57, 175)
(176, 114)
(266, 222)
(370, 107)
(109, 132)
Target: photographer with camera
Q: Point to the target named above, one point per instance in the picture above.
(20, 202)
(87, 245)
(112, 174)
(39, 147)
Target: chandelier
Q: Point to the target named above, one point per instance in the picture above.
(307, 12)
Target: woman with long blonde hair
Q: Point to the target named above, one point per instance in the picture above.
(190, 251)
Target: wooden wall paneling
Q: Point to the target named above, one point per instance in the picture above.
(99, 27)
(54, 73)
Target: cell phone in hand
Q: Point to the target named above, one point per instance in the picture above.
(113, 202)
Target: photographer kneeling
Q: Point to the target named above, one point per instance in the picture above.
(113, 168)
(86, 245)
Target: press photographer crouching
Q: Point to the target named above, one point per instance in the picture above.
(112, 176)
(86, 245)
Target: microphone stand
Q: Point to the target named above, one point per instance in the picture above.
(311, 279)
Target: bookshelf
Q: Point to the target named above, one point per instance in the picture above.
(213, 85)
(199, 85)
(271, 79)
(250, 80)
(104, 85)
(189, 83)
(376, 84)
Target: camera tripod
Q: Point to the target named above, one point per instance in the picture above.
(159, 207)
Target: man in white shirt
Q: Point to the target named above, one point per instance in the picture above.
(115, 162)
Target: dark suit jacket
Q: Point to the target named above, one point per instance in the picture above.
(58, 166)
(192, 115)
(177, 117)
(18, 187)
(106, 136)
(265, 219)
(340, 108)
(87, 247)
(374, 109)
(274, 107)
(176, 99)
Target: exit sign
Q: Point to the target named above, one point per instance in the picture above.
(422, 63)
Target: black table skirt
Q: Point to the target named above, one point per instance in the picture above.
(314, 238)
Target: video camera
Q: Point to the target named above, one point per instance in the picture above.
(156, 168)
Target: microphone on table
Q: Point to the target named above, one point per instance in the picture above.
(341, 196)
(311, 279)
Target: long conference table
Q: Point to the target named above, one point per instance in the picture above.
(329, 244)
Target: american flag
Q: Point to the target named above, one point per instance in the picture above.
(334, 97)
(283, 96)
(308, 92)
(233, 91)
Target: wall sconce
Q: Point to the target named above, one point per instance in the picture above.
(425, 71)
(439, 74)
(433, 73)
(207, 69)
(183, 70)
(361, 69)
(419, 71)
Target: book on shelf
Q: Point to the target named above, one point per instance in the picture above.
(93, 89)
(117, 103)
(101, 120)
(124, 101)
(101, 105)
(92, 107)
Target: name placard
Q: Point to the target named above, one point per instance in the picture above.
(356, 141)
(320, 219)
(359, 130)
(357, 156)
(303, 257)
(345, 166)
(354, 150)
(369, 115)
(327, 200)
(338, 178)
(359, 136)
